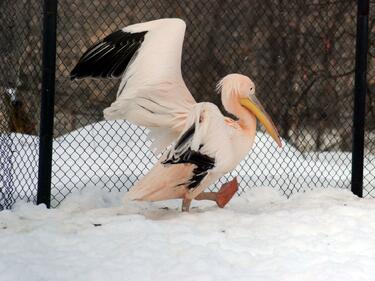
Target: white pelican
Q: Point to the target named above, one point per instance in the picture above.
(203, 145)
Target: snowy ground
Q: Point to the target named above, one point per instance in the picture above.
(319, 235)
(324, 234)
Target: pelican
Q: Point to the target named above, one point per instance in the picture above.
(197, 144)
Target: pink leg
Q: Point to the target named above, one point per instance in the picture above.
(185, 205)
(223, 196)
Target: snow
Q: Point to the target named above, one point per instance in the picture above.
(108, 154)
(324, 234)
(316, 234)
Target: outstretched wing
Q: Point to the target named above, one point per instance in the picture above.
(152, 92)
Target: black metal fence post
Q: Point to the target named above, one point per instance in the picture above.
(360, 91)
(47, 102)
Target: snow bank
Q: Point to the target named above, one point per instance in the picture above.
(320, 235)
(108, 154)
(114, 154)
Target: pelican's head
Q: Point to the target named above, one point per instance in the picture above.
(238, 91)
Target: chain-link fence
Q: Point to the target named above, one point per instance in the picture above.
(369, 171)
(6, 187)
(20, 84)
(301, 55)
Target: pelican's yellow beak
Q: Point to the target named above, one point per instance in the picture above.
(255, 107)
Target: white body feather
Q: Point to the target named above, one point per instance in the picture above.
(225, 143)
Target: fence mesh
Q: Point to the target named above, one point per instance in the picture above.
(20, 83)
(369, 172)
(300, 54)
(6, 186)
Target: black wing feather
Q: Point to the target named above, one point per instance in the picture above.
(183, 154)
(109, 57)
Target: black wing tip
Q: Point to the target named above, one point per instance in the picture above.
(73, 75)
(77, 73)
(94, 64)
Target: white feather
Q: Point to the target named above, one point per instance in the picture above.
(152, 92)
(211, 134)
(209, 137)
